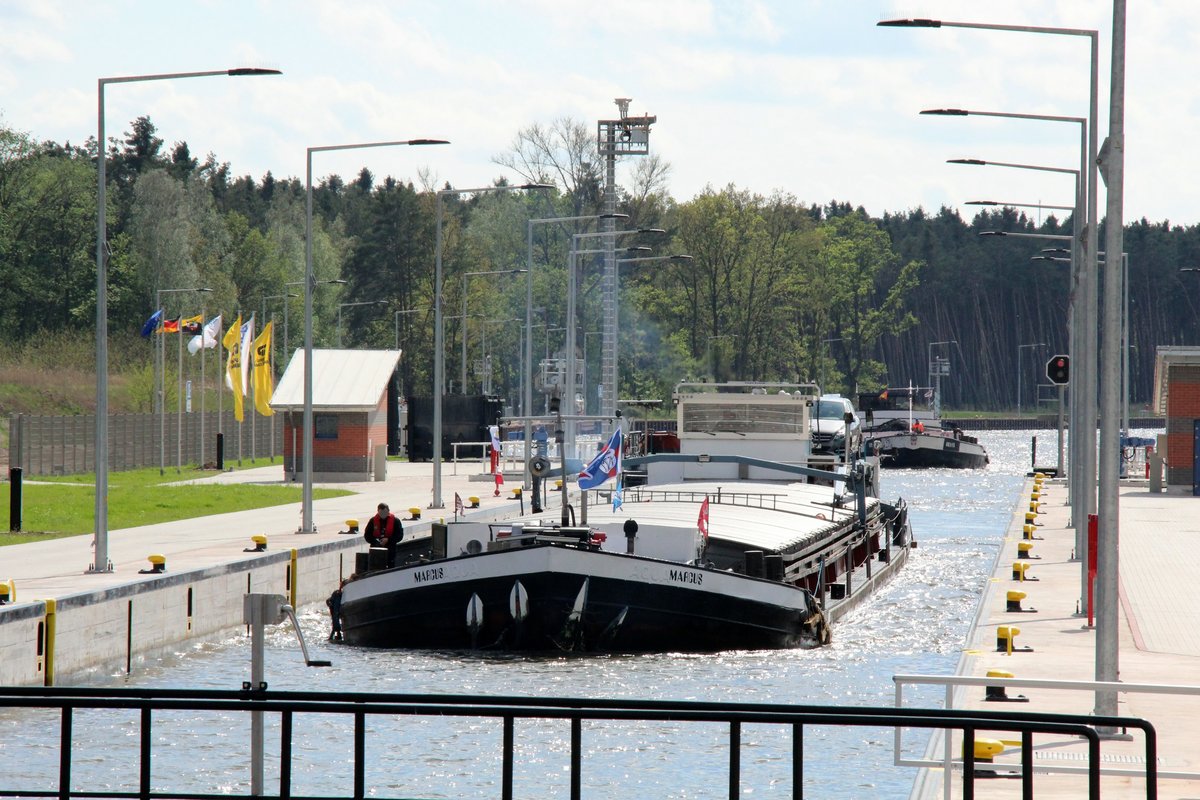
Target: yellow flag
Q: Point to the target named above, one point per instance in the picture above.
(264, 381)
(233, 365)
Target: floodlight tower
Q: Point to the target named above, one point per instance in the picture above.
(627, 136)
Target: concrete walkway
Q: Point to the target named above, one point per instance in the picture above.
(1159, 643)
(58, 567)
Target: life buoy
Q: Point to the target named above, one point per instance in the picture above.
(820, 515)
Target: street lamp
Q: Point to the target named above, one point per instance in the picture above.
(439, 333)
(465, 276)
(1085, 379)
(310, 282)
(1021, 347)
(100, 548)
(936, 371)
(527, 402)
(350, 305)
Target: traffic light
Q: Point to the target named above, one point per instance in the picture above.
(1058, 370)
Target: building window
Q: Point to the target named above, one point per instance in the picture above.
(325, 426)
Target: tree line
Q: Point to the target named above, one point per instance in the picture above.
(775, 290)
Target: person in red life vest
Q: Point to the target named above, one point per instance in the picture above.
(385, 530)
(918, 427)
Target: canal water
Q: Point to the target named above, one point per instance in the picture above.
(916, 624)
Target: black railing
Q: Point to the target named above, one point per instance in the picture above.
(358, 706)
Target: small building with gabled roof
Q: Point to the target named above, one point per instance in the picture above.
(349, 400)
(1177, 397)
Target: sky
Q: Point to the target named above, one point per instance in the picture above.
(805, 97)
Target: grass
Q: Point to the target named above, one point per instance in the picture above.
(65, 506)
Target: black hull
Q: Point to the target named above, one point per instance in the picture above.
(903, 451)
(656, 607)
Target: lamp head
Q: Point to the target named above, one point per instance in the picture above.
(981, 203)
(975, 162)
(238, 72)
(416, 142)
(946, 112)
(536, 186)
(993, 233)
(909, 23)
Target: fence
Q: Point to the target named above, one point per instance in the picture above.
(61, 445)
(504, 711)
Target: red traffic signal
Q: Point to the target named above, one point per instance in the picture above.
(1058, 370)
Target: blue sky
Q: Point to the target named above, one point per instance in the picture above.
(804, 96)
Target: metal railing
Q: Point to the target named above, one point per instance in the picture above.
(950, 683)
(358, 707)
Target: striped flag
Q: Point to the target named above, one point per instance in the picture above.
(702, 520)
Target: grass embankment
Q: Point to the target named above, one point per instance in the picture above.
(66, 506)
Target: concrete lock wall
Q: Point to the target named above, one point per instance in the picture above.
(50, 641)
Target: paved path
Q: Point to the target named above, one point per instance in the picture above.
(1159, 642)
(57, 567)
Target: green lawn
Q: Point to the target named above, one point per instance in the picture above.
(66, 506)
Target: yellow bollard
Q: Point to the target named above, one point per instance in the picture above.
(259, 542)
(987, 749)
(158, 563)
(414, 512)
(516, 492)
(473, 502)
(1013, 601)
(8, 593)
(996, 694)
(1025, 550)
(1018, 572)
(1005, 635)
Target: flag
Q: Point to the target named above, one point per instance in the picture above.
(606, 464)
(617, 498)
(702, 520)
(458, 505)
(152, 324)
(883, 395)
(209, 337)
(170, 325)
(233, 366)
(191, 325)
(264, 378)
(494, 432)
(247, 347)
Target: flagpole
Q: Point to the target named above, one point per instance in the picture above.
(179, 405)
(203, 328)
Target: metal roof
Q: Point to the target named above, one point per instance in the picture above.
(1164, 358)
(343, 380)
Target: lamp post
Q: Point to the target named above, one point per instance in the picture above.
(1085, 378)
(396, 318)
(527, 402)
(350, 305)
(465, 276)
(310, 282)
(1021, 347)
(100, 542)
(338, 281)
(1082, 348)
(936, 371)
(439, 334)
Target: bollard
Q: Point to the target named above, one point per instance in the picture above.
(1018, 571)
(473, 502)
(1035, 507)
(987, 749)
(1006, 636)
(260, 544)
(158, 563)
(351, 527)
(996, 694)
(1025, 550)
(14, 499)
(1031, 518)
(7, 593)
(1013, 603)
(1027, 532)
(414, 513)
(221, 452)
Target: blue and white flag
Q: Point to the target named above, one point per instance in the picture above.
(606, 464)
(152, 324)
(617, 498)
